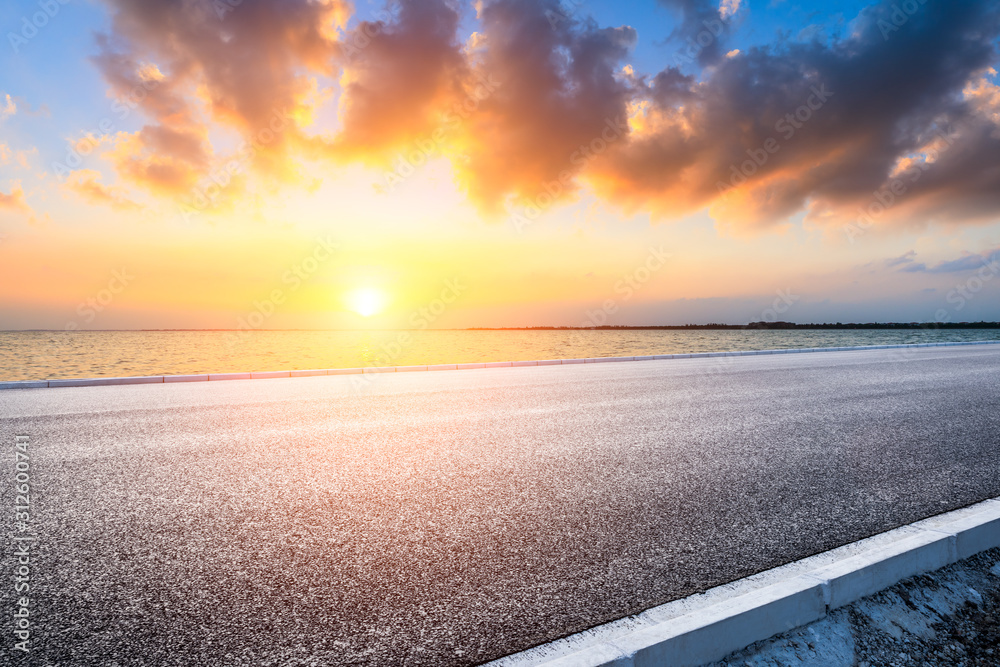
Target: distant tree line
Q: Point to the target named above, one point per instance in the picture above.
(763, 325)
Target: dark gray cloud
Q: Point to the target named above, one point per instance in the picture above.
(886, 96)
(702, 32)
(558, 93)
(967, 262)
(905, 258)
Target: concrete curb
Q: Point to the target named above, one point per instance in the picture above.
(256, 375)
(707, 627)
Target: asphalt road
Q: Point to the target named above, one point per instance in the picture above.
(448, 518)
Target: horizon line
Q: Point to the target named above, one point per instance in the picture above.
(758, 326)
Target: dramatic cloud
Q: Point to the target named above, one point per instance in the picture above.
(186, 63)
(400, 74)
(896, 123)
(558, 103)
(826, 128)
(703, 29)
(86, 183)
(984, 97)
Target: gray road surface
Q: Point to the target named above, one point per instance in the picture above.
(448, 518)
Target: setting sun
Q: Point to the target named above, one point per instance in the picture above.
(366, 301)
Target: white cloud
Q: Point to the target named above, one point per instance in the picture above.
(729, 7)
(9, 108)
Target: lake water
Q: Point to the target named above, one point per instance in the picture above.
(41, 355)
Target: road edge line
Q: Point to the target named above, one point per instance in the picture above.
(733, 616)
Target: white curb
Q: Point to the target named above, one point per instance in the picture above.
(103, 381)
(214, 377)
(302, 374)
(185, 378)
(709, 626)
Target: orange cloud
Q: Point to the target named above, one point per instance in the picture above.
(8, 107)
(984, 97)
(399, 77)
(558, 103)
(15, 201)
(86, 183)
(758, 137)
(160, 173)
(187, 66)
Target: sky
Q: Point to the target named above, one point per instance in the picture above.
(433, 163)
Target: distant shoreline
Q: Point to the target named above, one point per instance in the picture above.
(768, 326)
(752, 326)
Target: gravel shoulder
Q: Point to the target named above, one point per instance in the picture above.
(948, 617)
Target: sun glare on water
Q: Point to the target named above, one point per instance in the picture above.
(366, 301)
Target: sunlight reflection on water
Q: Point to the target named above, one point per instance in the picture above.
(34, 355)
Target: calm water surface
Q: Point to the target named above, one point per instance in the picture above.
(40, 355)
